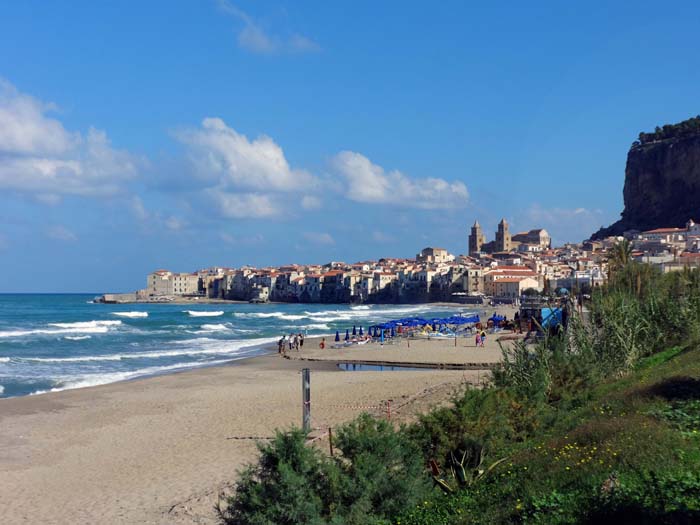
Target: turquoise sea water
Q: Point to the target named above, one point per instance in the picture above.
(56, 342)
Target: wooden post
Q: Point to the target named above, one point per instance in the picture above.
(306, 399)
(388, 409)
(330, 440)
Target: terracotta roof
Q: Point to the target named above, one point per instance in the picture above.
(665, 230)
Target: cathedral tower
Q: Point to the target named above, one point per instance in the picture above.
(476, 239)
(503, 243)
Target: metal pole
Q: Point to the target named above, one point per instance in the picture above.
(330, 440)
(306, 399)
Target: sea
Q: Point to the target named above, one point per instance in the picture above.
(56, 342)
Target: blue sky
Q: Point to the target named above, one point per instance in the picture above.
(183, 134)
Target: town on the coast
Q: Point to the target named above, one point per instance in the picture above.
(496, 271)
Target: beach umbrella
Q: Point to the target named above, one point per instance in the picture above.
(434, 328)
(354, 330)
(393, 332)
(337, 336)
(347, 335)
(361, 333)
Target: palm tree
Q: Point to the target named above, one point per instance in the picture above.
(619, 257)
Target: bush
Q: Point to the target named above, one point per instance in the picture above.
(377, 474)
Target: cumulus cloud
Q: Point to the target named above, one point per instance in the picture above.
(370, 183)
(252, 37)
(319, 238)
(222, 155)
(61, 233)
(38, 156)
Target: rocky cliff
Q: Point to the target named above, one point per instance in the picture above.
(662, 180)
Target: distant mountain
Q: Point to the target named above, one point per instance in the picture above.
(662, 180)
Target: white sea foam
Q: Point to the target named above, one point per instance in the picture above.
(4, 359)
(199, 313)
(132, 315)
(85, 327)
(71, 382)
(314, 326)
(360, 307)
(215, 328)
(77, 337)
(2, 389)
(85, 324)
(198, 346)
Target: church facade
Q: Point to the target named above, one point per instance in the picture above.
(533, 240)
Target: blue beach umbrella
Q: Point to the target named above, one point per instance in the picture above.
(354, 330)
(361, 333)
(347, 335)
(337, 336)
(393, 332)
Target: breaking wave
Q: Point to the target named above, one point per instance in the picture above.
(199, 346)
(77, 337)
(131, 315)
(83, 327)
(200, 313)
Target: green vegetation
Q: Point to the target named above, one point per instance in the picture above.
(669, 131)
(597, 425)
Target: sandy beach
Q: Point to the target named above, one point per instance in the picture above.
(161, 449)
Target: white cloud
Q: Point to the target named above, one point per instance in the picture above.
(252, 37)
(38, 156)
(309, 202)
(244, 205)
(370, 183)
(61, 233)
(225, 157)
(319, 238)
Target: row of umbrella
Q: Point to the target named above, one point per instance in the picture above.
(378, 329)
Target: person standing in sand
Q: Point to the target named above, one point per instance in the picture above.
(301, 341)
(478, 339)
(483, 338)
(322, 344)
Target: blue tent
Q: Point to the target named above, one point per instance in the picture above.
(347, 335)
(337, 336)
(354, 330)
(551, 317)
(497, 319)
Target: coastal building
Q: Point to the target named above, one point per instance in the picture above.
(434, 255)
(511, 288)
(165, 283)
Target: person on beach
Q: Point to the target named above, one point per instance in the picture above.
(291, 342)
(281, 344)
(301, 341)
(483, 338)
(478, 339)
(322, 344)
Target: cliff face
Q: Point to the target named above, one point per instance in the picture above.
(662, 186)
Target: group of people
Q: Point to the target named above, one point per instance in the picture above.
(291, 342)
